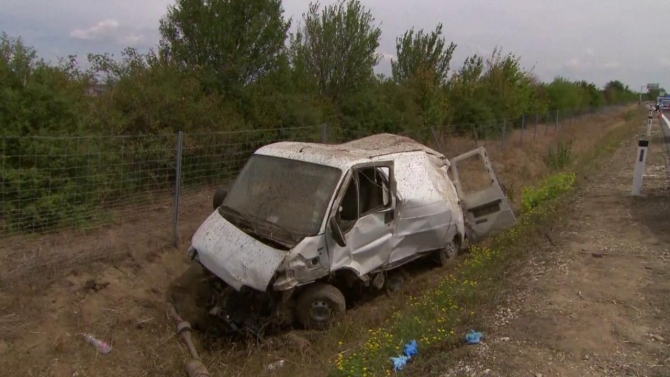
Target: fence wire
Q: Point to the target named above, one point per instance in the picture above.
(49, 183)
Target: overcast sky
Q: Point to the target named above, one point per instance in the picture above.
(596, 40)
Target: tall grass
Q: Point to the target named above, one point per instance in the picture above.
(559, 158)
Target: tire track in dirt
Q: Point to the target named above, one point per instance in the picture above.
(597, 303)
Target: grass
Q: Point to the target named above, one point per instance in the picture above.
(560, 158)
(433, 318)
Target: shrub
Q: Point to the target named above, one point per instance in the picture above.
(561, 157)
(549, 189)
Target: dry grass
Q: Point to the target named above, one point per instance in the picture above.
(45, 299)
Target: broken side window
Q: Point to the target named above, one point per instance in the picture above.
(373, 190)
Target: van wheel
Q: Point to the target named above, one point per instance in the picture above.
(447, 254)
(318, 305)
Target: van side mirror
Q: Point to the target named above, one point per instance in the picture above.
(336, 232)
(219, 196)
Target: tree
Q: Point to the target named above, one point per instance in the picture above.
(422, 54)
(423, 65)
(616, 92)
(230, 43)
(465, 96)
(509, 85)
(336, 48)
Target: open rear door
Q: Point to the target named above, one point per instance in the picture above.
(484, 202)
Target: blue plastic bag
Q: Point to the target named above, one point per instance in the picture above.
(399, 362)
(411, 349)
(473, 337)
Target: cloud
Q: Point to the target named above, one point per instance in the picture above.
(575, 63)
(590, 52)
(108, 30)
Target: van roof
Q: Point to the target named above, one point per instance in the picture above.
(343, 156)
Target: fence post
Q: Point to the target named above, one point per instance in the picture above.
(437, 141)
(324, 133)
(4, 158)
(177, 181)
(537, 120)
(523, 125)
(474, 134)
(504, 131)
(546, 124)
(556, 124)
(638, 174)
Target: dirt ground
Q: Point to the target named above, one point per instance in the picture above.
(594, 301)
(114, 283)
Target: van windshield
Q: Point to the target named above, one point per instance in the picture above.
(282, 195)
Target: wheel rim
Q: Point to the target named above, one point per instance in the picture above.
(320, 311)
(450, 250)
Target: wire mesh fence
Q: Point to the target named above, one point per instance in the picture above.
(81, 182)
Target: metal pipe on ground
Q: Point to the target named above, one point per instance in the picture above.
(194, 366)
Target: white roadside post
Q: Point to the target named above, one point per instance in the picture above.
(649, 123)
(640, 159)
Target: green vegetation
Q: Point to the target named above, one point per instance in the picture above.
(436, 318)
(232, 65)
(561, 157)
(550, 188)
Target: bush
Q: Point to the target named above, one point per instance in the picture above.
(549, 189)
(560, 158)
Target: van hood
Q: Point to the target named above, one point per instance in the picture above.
(234, 256)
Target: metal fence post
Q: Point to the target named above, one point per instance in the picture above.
(4, 159)
(324, 133)
(546, 124)
(537, 120)
(177, 181)
(523, 125)
(474, 134)
(437, 141)
(556, 124)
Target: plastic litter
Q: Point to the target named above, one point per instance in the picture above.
(399, 362)
(473, 337)
(409, 350)
(275, 365)
(99, 345)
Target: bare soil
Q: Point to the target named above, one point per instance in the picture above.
(595, 299)
(115, 283)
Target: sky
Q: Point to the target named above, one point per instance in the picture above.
(594, 40)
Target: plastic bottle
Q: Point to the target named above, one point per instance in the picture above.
(101, 346)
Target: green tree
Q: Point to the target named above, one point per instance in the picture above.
(423, 65)
(617, 92)
(336, 47)
(509, 85)
(150, 95)
(421, 54)
(465, 96)
(36, 97)
(229, 43)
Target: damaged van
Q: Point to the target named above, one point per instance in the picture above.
(304, 222)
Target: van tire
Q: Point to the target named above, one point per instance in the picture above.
(447, 254)
(319, 305)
